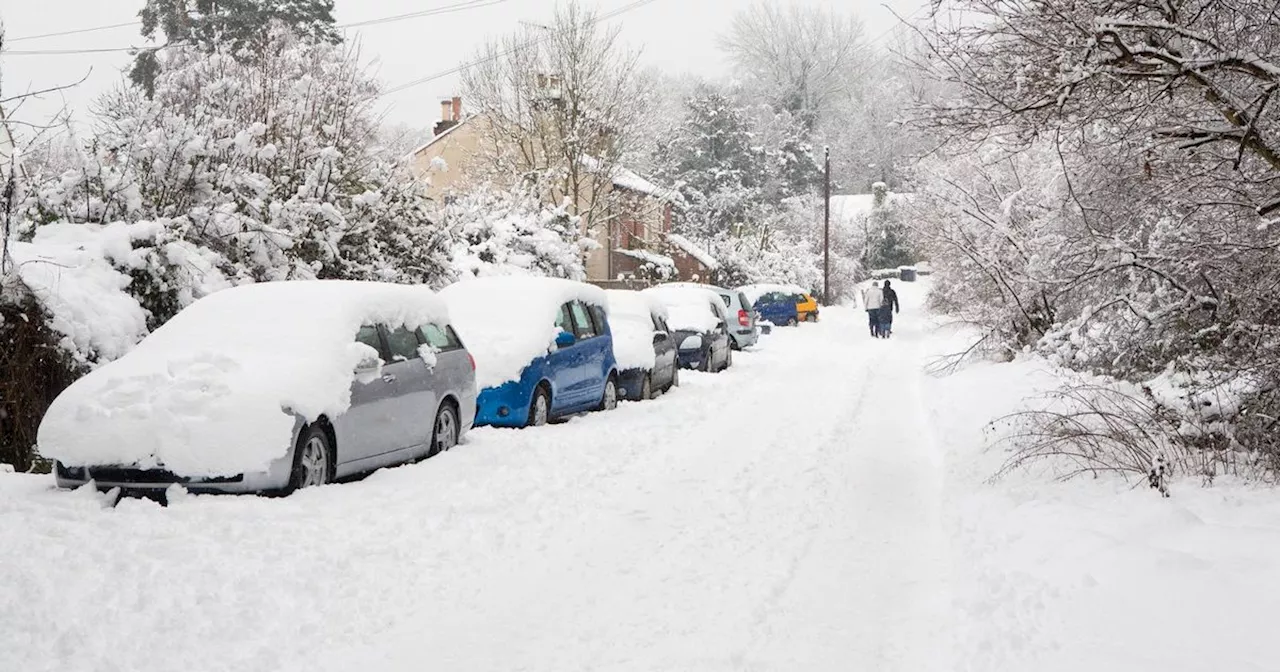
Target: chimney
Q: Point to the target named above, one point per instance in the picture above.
(450, 114)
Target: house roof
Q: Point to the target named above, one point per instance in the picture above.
(688, 247)
(624, 178)
(648, 257)
(465, 120)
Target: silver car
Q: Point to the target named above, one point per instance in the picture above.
(415, 399)
(743, 331)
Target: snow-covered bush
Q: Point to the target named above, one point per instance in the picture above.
(502, 232)
(271, 170)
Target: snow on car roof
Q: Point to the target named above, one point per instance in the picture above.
(630, 320)
(205, 395)
(754, 292)
(508, 321)
(687, 306)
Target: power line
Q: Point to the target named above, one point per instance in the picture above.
(532, 43)
(469, 4)
(74, 32)
(447, 9)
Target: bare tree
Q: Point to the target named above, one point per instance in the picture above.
(1108, 197)
(564, 104)
(803, 58)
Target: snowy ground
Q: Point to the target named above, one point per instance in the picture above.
(820, 506)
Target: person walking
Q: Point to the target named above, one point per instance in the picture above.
(889, 306)
(873, 302)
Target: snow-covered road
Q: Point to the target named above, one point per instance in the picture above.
(784, 515)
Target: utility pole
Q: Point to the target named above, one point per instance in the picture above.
(826, 230)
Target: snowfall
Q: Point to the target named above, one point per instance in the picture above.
(825, 504)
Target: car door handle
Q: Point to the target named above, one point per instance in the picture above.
(388, 378)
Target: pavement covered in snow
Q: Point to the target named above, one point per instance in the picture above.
(823, 505)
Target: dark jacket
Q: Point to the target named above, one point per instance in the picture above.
(890, 299)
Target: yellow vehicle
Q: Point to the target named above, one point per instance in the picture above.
(806, 308)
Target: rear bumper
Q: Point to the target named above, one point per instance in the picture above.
(746, 336)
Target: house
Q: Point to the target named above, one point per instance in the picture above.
(451, 161)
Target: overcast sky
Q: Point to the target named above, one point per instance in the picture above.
(674, 35)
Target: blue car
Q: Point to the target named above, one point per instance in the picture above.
(543, 348)
(778, 308)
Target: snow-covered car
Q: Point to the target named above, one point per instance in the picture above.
(543, 347)
(742, 316)
(781, 304)
(699, 322)
(642, 344)
(270, 388)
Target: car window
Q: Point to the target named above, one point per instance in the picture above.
(658, 324)
(563, 321)
(402, 344)
(598, 319)
(441, 339)
(728, 300)
(582, 321)
(797, 298)
(742, 300)
(369, 336)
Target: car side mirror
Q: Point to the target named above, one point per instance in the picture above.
(565, 339)
(368, 366)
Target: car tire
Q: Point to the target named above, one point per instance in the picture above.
(728, 359)
(646, 388)
(313, 459)
(445, 431)
(811, 317)
(609, 400)
(791, 322)
(539, 407)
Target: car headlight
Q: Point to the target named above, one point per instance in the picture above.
(691, 343)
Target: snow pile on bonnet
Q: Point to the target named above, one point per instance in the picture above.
(754, 292)
(688, 308)
(205, 395)
(507, 322)
(631, 321)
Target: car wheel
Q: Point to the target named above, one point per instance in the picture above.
(791, 322)
(445, 434)
(811, 317)
(646, 388)
(609, 401)
(312, 459)
(540, 407)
